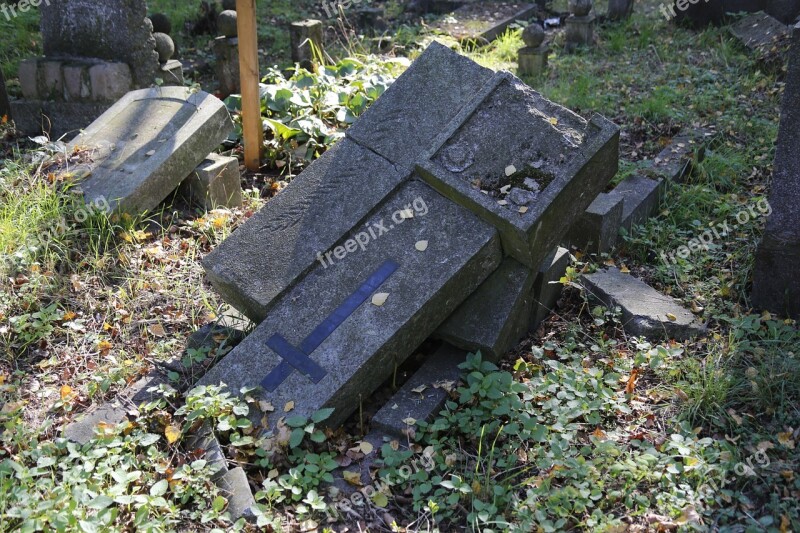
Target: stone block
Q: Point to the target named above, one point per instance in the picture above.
(305, 35)
(76, 82)
(619, 9)
(533, 61)
(473, 22)
(226, 52)
(641, 196)
(335, 336)
(147, 143)
(56, 119)
(110, 81)
(579, 32)
(524, 164)
(216, 182)
(423, 395)
(172, 73)
(596, 230)
(278, 245)
(419, 105)
(546, 288)
(759, 32)
(645, 311)
(785, 11)
(496, 317)
(239, 494)
(676, 160)
(51, 80)
(29, 78)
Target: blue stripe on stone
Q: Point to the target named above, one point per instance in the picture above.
(294, 359)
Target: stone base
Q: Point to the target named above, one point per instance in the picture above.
(596, 230)
(56, 119)
(215, 183)
(580, 32)
(172, 73)
(226, 51)
(533, 61)
(74, 80)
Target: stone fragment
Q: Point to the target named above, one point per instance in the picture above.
(776, 278)
(216, 182)
(423, 395)
(165, 47)
(278, 245)
(110, 81)
(496, 317)
(306, 35)
(508, 123)
(325, 326)
(759, 32)
(240, 496)
(146, 143)
(641, 196)
(547, 288)
(419, 105)
(645, 311)
(596, 230)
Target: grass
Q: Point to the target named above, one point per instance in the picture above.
(581, 429)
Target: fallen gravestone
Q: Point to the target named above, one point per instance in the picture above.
(358, 261)
(94, 53)
(645, 311)
(484, 22)
(146, 144)
(776, 280)
(760, 33)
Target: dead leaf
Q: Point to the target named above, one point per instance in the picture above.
(366, 448)
(66, 391)
(354, 478)
(672, 317)
(173, 433)
(599, 433)
(631, 385)
(421, 246)
(157, 330)
(523, 210)
(786, 440)
(420, 389)
(625, 270)
(736, 418)
(786, 524)
(380, 298)
(409, 421)
(288, 407)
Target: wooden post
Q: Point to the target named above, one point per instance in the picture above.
(252, 127)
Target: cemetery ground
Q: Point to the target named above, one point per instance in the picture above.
(580, 427)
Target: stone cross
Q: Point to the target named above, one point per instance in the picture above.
(776, 281)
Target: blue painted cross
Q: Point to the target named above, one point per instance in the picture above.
(298, 358)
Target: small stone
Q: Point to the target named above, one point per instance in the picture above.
(226, 23)
(521, 196)
(511, 170)
(531, 184)
(164, 46)
(533, 35)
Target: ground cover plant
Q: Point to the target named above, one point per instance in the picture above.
(581, 428)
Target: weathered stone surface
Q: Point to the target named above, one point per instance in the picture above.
(51, 80)
(226, 52)
(240, 495)
(484, 21)
(77, 85)
(641, 196)
(619, 9)
(645, 311)
(172, 73)
(557, 160)
(776, 280)
(114, 412)
(676, 160)
(278, 245)
(597, 228)
(29, 78)
(546, 288)
(419, 105)
(117, 30)
(759, 31)
(423, 396)
(32, 117)
(110, 81)
(216, 182)
(496, 316)
(532, 61)
(349, 344)
(363, 467)
(579, 31)
(146, 143)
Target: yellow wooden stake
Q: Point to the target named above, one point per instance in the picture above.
(252, 127)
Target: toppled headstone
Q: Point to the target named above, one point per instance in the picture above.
(216, 182)
(776, 279)
(339, 332)
(423, 395)
(676, 160)
(641, 196)
(546, 287)
(524, 164)
(145, 145)
(484, 22)
(281, 243)
(496, 317)
(645, 311)
(597, 228)
(758, 31)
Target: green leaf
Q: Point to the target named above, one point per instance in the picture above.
(218, 504)
(296, 438)
(296, 421)
(101, 502)
(159, 488)
(322, 414)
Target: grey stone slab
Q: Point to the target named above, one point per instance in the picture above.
(147, 143)
(240, 496)
(645, 311)
(278, 245)
(56, 119)
(484, 22)
(597, 228)
(423, 395)
(759, 31)
(366, 340)
(546, 287)
(776, 280)
(495, 317)
(401, 124)
(558, 161)
(677, 159)
(641, 196)
(117, 30)
(216, 182)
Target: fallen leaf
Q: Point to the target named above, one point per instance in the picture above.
(786, 524)
(409, 421)
(66, 390)
(672, 317)
(625, 270)
(265, 406)
(420, 389)
(502, 202)
(380, 499)
(354, 478)
(150, 153)
(172, 433)
(599, 433)
(104, 347)
(523, 210)
(553, 121)
(69, 315)
(786, 440)
(366, 448)
(631, 385)
(736, 418)
(380, 298)
(421, 246)
(288, 407)
(157, 330)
